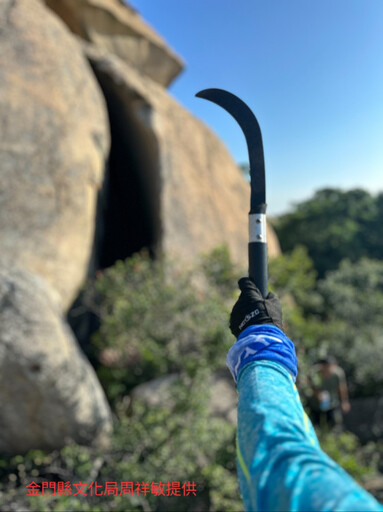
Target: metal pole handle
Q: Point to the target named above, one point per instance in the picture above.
(258, 252)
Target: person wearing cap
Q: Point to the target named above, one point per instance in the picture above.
(281, 466)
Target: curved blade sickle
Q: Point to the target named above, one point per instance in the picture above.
(250, 127)
(257, 218)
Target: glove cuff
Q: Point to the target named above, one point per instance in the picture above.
(259, 342)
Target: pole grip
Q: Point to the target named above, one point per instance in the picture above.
(258, 266)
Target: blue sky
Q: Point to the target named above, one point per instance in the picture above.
(312, 72)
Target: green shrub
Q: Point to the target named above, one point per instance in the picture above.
(345, 448)
(157, 322)
(220, 271)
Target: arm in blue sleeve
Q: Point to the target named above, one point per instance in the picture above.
(281, 466)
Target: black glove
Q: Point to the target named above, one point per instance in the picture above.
(251, 308)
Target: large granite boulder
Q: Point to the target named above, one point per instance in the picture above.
(49, 393)
(54, 143)
(120, 30)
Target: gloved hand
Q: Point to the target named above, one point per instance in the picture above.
(252, 309)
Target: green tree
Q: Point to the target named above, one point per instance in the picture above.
(333, 225)
(353, 304)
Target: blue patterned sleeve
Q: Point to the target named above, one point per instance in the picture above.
(281, 466)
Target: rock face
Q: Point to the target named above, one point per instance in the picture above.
(203, 198)
(176, 177)
(54, 142)
(48, 391)
(118, 29)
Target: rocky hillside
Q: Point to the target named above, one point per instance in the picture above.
(97, 161)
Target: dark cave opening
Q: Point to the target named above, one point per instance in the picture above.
(129, 214)
(128, 207)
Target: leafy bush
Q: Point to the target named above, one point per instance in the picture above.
(157, 322)
(293, 273)
(220, 271)
(151, 445)
(345, 448)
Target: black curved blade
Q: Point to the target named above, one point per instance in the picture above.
(250, 127)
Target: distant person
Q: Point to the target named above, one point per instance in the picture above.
(330, 393)
(281, 466)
